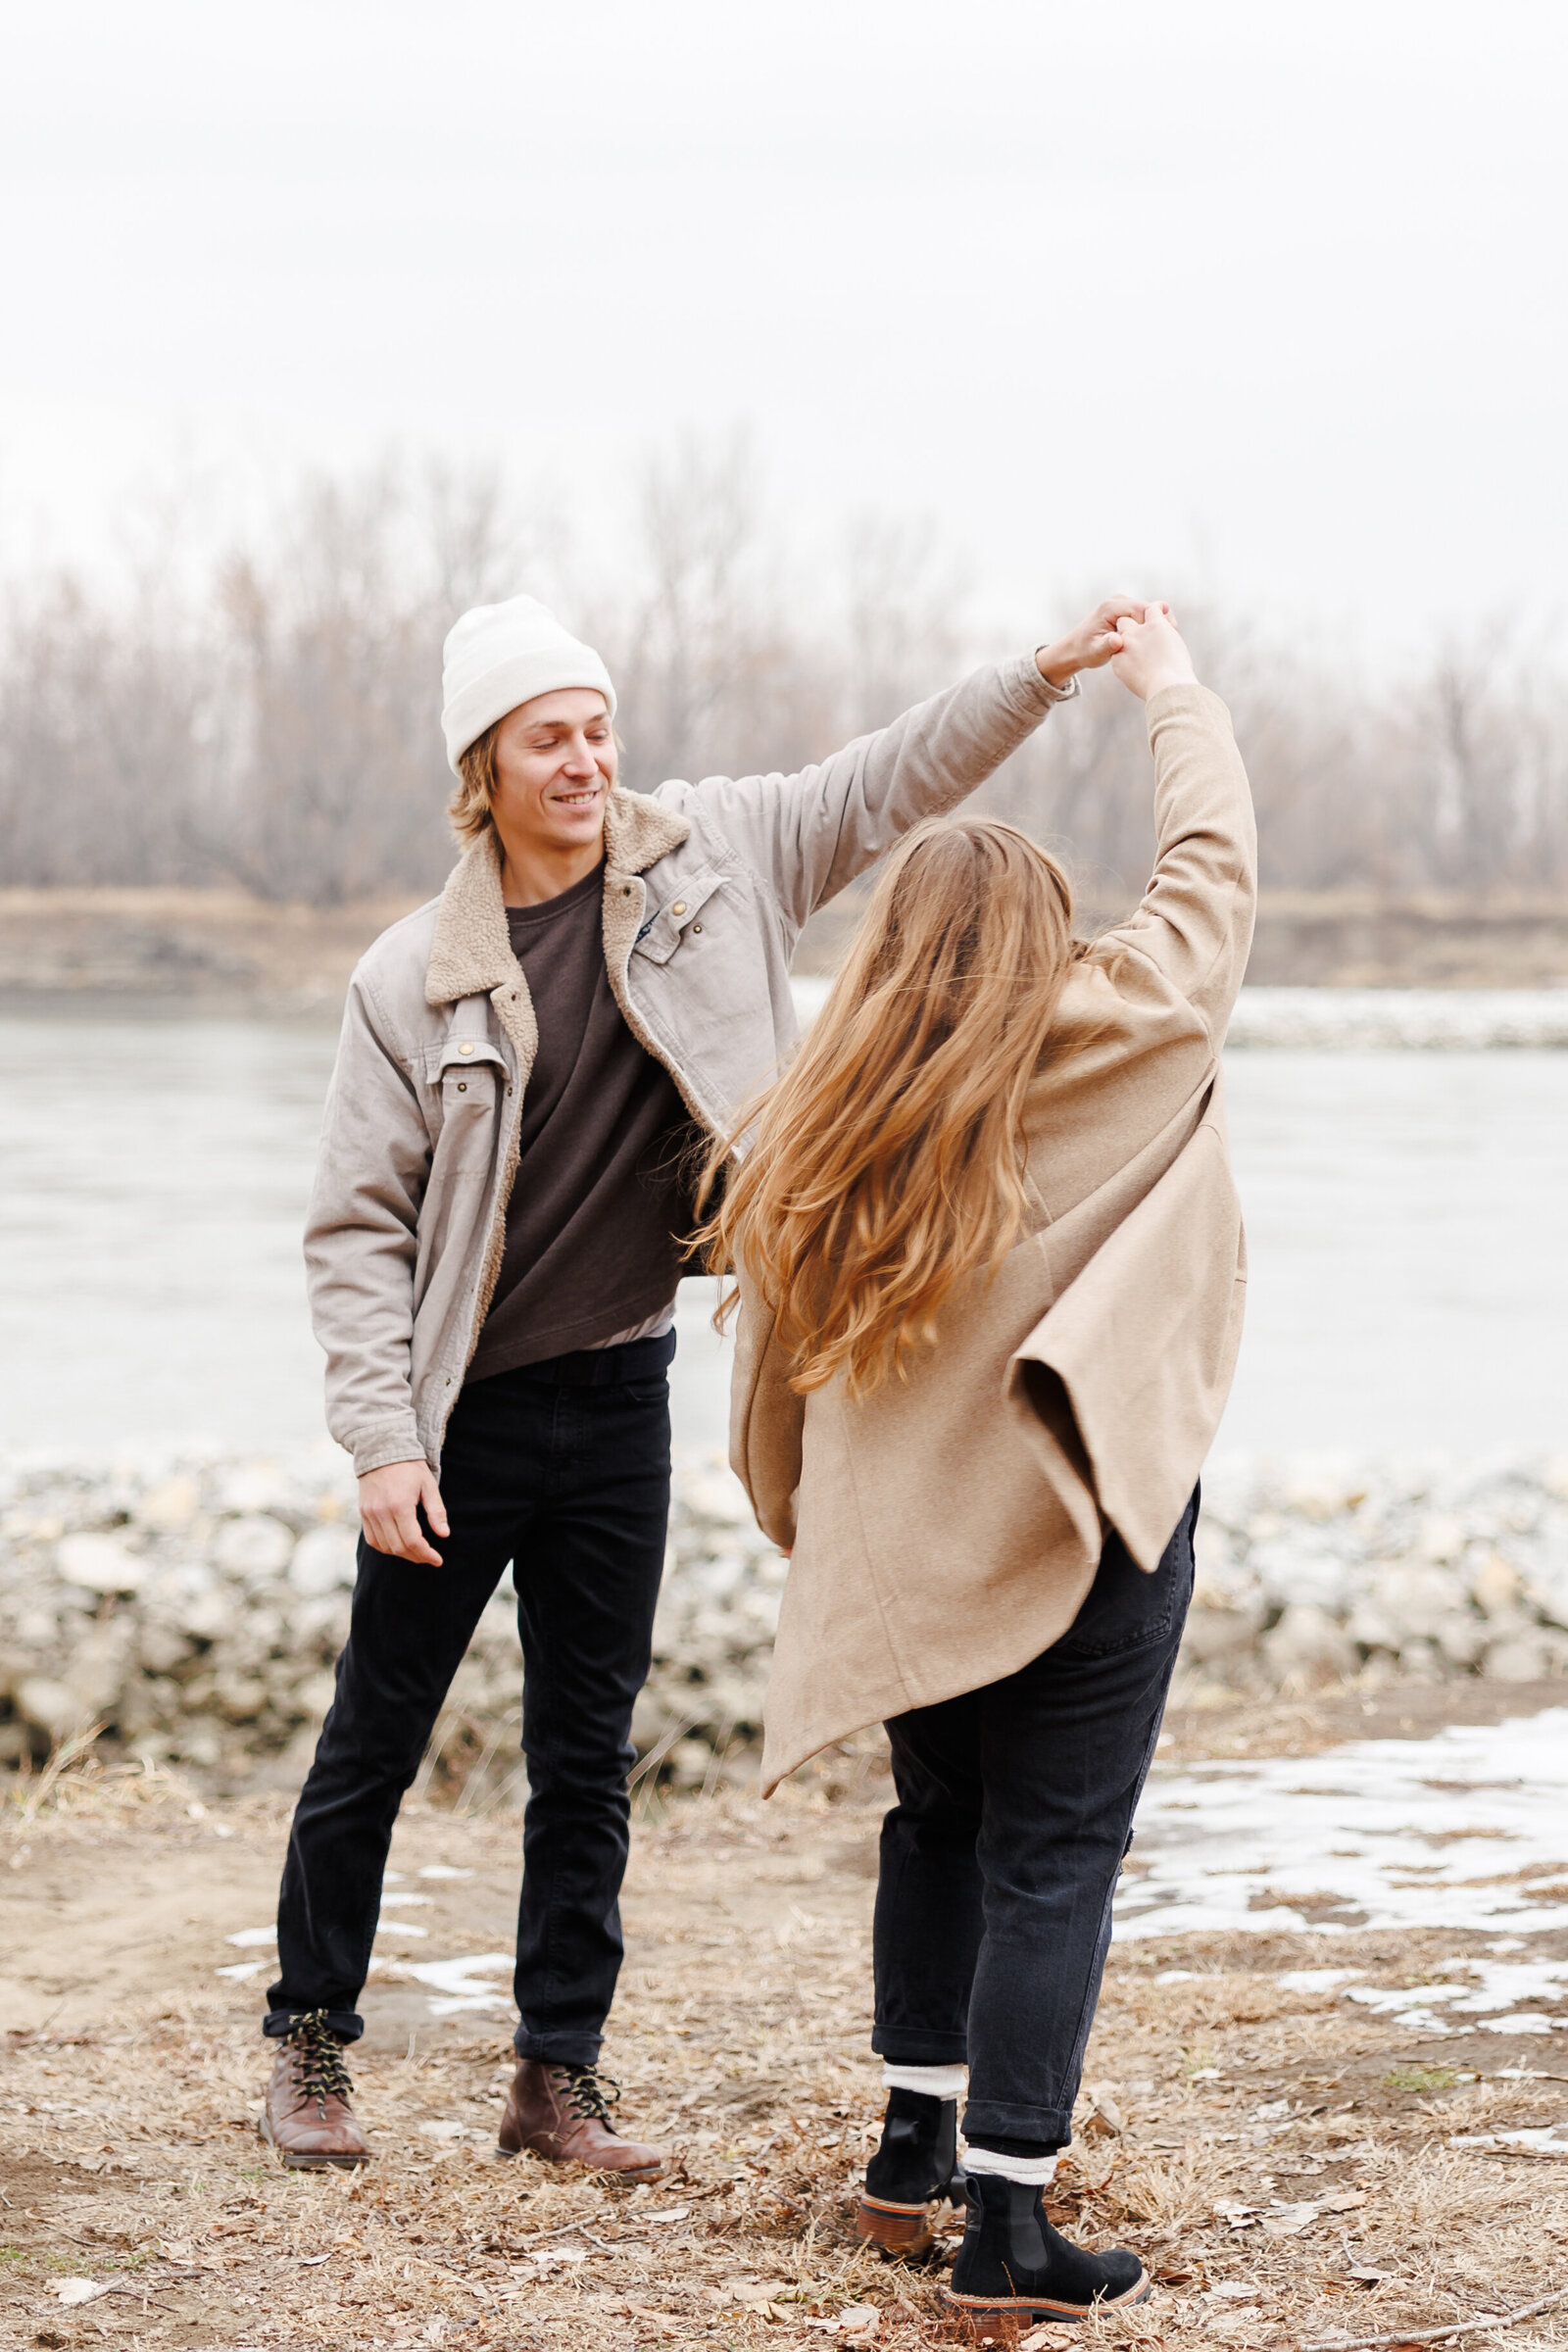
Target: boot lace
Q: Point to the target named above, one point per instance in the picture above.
(320, 2069)
(590, 2094)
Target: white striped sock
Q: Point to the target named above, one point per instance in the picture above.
(936, 2081)
(1029, 2172)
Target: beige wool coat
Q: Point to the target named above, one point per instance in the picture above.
(946, 1530)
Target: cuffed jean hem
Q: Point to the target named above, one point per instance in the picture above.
(1046, 2127)
(903, 2045)
(559, 2049)
(346, 2023)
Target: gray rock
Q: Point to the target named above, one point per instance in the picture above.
(257, 1545)
(99, 1564)
(1520, 1658)
(324, 1560)
(1213, 1634)
(49, 1706)
(1308, 1642)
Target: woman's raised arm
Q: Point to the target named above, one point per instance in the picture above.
(1196, 919)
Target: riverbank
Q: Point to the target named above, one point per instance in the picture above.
(224, 950)
(193, 1608)
(1302, 2154)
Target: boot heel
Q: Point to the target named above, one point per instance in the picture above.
(906, 2230)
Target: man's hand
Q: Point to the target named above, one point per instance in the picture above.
(1152, 654)
(390, 1501)
(1092, 644)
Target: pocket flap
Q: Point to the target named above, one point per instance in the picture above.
(461, 1053)
(661, 934)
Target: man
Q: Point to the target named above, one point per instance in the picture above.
(494, 1244)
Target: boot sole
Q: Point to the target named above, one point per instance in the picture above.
(606, 2171)
(295, 2162)
(1032, 2310)
(907, 2230)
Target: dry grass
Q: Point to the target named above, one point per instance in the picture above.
(128, 2153)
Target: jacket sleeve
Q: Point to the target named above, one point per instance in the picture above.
(809, 834)
(361, 1239)
(1195, 920)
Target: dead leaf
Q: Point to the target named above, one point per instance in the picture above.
(1344, 2200)
(81, 2290)
(1105, 2107)
(674, 2213)
(1290, 2221)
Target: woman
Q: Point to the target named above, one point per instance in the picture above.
(990, 1277)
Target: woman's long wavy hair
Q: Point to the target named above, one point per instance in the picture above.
(888, 1161)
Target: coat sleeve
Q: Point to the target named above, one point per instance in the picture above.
(809, 834)
(360, 1238)
(767, 1423)
(1196, 919)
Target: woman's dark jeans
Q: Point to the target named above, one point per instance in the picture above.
(1002, 1855)
(562, 1468)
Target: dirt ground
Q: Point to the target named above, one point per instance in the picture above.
(1287, 2168)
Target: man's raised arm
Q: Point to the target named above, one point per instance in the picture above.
(810, 834)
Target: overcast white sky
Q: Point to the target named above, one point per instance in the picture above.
(1260, 296)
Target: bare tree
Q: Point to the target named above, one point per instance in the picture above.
(271, 719)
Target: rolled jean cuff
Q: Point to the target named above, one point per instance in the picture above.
(1046, 2127)
(559, 2049)
(346, 2023)
(910, 2045)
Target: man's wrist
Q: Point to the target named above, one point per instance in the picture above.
(1056, 664)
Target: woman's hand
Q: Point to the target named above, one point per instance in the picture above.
(390, 1501)
(1152, 653)
(1092, 644)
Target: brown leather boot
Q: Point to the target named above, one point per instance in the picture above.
(308, 2117)
(562, 2114)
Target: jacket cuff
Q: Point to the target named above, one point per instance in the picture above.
(1022, 684)
(388, 1441)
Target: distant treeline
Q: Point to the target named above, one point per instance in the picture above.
(272, 720)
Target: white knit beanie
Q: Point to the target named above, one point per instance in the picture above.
(498, 656)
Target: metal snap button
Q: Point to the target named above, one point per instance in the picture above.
(466, 1049)
(679, 906)
(697, 926)
(462, 1086)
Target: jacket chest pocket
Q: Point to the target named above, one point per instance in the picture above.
(683, 917)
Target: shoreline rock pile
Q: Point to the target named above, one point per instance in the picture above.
(1386, 1019)
(1372, 1572)
(196, 1607)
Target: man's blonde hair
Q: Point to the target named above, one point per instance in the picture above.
(468, 811)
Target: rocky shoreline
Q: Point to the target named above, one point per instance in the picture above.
(194, 1607)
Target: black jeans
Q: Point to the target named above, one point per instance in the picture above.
(562, 1468)
(1002, 1855)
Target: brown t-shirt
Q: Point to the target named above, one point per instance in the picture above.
(600, 1202)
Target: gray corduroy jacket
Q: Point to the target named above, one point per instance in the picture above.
(707, 886)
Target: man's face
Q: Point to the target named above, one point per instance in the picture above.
(555, 763)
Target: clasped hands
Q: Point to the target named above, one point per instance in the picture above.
(1136, 635)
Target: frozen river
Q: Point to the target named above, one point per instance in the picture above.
(1405, 1211)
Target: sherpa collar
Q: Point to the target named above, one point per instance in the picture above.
(470, 952)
